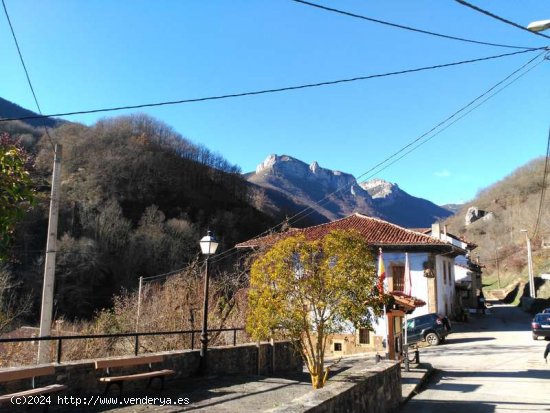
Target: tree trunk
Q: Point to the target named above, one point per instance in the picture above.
(318, 375)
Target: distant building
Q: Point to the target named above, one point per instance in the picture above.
(467, 273)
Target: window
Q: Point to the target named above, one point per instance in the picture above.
(444, 273)
(364, 336)
(398, 277)
(337, 346)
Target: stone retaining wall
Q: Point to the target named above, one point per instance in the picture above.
(365, 388)
(246, 359)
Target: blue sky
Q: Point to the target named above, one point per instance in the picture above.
(91, 54)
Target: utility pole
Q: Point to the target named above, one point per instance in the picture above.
(498, 267)
(49, 266)
(532, 290)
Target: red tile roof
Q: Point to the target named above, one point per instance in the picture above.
(375, 231)
(407, 301)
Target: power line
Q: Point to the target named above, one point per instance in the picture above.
(459, 118)
(423, 136)
(273, 90)
(436, 133)
(232, 251)
(299, 215)
(296, 218)
(543, 190)
(400, 26)
(502, 19)
(26, 72)
(166, 274)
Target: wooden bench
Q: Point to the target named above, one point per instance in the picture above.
(29, 373)
(151, 374)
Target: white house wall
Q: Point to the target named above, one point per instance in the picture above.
(462, 274)
(445, 289)
(418, 281)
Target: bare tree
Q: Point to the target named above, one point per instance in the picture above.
(12, 307)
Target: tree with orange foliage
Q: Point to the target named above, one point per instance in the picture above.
(306, 291)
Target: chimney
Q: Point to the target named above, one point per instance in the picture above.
(436, 230)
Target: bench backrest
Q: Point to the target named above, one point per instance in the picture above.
(127, 361)
(20, 373)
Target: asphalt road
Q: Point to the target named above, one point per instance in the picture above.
(490, 364)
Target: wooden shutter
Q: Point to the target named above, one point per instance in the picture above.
(398, 277)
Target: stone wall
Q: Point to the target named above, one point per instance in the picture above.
(365, 388)
(81, 376)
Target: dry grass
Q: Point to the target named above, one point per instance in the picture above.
(173, 304)
(514, 202)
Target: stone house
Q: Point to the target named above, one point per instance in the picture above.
(431, 263)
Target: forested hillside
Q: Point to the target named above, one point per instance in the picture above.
(511, 204)
(136, 197)
(10, 110)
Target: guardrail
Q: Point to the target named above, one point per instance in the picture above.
(136, 337)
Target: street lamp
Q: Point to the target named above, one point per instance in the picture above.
(208, 244)
(539, 26)
(532, 291)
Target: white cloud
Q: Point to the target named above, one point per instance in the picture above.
(444, 173)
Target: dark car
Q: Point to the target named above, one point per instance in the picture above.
(546, 311)
(432, 328)
(541, 325)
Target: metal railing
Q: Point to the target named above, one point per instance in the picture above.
(136, 337)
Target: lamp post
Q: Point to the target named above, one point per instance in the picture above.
(208, 247)
(532, 291)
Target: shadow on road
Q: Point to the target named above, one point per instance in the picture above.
(451, 381)
(475, 350)
(451, 340)
(478, 407)
(512, 374)
(497, 318)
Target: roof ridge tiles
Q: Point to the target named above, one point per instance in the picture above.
(376, 231)
(398, 227)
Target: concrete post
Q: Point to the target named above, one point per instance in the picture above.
(49, 266)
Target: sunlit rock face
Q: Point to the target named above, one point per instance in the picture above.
(331, 194)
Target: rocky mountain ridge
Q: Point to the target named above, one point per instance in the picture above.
(329, 194)
(334, 194)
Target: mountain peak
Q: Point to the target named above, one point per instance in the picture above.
(289, 166)
(334, 194)
(314, 167)
(308, 184)
(274, 162)
(379, 188)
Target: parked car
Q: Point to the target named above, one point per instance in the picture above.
(541, 325)
(432, 328)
